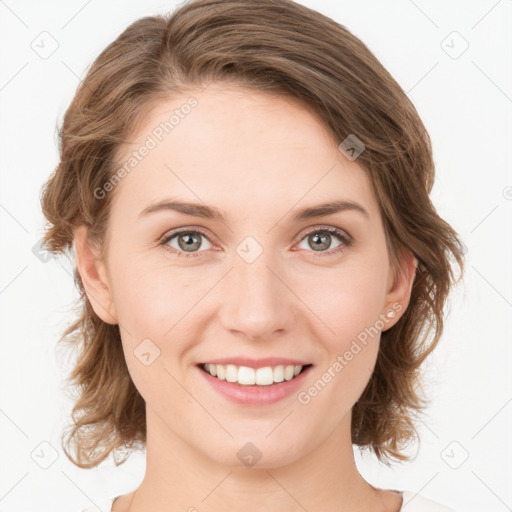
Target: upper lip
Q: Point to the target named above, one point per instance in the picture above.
(257, 363)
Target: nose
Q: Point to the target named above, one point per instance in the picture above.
(256, 300)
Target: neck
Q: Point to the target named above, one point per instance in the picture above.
(178, 477)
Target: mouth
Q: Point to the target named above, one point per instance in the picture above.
(245, 376)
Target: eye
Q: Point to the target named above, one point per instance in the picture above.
(321, 239)
(188, 243)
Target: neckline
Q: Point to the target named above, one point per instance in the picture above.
(403, 494)
(113, 501)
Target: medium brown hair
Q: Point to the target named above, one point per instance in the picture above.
(280, 47)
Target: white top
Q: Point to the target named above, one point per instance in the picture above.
(411, 503)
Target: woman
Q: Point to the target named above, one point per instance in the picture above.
(262, 272)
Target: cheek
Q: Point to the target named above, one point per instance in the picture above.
(165, 305)
(347, 300)
(349, 305)
(155, 307)
(155, 301)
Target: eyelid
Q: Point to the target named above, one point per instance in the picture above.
(173, 232)
(322, 227)
(346, 238)
(165, 239)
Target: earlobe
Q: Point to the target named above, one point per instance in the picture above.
(400, 287)
(94, 276)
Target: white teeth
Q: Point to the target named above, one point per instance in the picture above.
(246, 376)
(231, 373)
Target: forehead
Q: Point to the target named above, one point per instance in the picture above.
(269, 150)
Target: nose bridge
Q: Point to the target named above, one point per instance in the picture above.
(256, 301)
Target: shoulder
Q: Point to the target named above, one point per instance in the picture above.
(104, 505)
(415, 503)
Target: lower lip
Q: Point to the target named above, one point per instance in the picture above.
(256, 395)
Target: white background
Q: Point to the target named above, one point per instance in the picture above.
(466, 104)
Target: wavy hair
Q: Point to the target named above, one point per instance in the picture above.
(283, 48)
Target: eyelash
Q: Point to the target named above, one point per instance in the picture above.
(346, 240)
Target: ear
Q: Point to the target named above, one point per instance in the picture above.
(400, 284)
(94, 276)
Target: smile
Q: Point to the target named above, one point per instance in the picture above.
(246, 376)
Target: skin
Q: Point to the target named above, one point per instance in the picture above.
(258, 158)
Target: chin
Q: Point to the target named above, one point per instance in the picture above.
(254, 453)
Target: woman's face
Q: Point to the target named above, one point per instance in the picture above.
(262, 282)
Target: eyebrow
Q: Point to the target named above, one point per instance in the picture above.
(210, 212)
